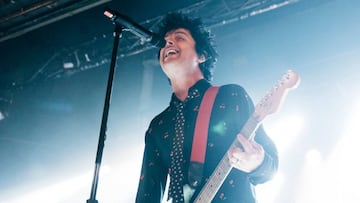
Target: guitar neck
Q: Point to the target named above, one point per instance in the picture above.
(220, 173)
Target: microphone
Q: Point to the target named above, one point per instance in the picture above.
(135, 28)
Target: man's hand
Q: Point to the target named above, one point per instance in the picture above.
(248, 157)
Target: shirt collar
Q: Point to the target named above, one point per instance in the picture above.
(196, 91)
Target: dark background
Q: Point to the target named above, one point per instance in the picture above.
(51, 115)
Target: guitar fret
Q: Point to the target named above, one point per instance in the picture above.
(250, 127)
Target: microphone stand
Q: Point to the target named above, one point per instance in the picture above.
(102, 137)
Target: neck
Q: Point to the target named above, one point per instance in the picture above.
(181, 87)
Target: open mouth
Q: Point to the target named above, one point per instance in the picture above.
(170, 52)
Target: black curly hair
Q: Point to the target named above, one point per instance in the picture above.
(204, 40)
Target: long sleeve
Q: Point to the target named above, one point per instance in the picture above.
(153, 177)
(270, 164)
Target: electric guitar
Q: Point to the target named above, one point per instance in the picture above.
(268, 105)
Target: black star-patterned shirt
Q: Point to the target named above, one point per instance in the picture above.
(232, 108)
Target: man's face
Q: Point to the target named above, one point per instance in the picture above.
(179, 51)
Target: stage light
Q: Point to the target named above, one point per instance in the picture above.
(2, 116)
(342, 163)
(4, 103)
(68, 65)
(312, 185)
(285, 130)
(313, 159)
(333, 178)
(270, 190)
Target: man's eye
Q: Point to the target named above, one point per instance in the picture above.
(180, 38)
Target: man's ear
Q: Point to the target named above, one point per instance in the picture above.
(202, 57)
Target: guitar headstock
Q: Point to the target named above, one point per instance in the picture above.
(271, 102)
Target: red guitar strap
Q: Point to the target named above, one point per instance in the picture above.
(202, 125)
(198, 150)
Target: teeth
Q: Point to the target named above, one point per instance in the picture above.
(170, 51)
